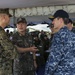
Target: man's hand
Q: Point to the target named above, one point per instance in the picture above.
(33, 49)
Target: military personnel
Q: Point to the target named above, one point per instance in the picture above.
(7, 50)
(70, 24)
(61, 60)
(25, 62)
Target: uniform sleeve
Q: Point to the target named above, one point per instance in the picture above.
(9, 51)
(55, 57)
(14, 39)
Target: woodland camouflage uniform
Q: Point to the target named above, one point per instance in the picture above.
(7, 54)
(23, 64)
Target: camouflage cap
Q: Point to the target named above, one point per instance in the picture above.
(5, 11)
(21, 20)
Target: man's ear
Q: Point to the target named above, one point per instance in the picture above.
(61, 20)
(2, 18)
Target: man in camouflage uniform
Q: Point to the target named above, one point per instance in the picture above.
(24, 63)
(7, 50)
(70, 26)
(61, 60)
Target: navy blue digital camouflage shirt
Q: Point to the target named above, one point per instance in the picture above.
(61, 60)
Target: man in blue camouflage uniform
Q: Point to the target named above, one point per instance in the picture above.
(70, 26)
(25, 63)
(7, 50)
(61, 60)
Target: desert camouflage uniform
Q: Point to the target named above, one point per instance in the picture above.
(7, 54)
(23, 64)
(61, 60)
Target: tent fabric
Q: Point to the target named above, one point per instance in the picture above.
(33, 3)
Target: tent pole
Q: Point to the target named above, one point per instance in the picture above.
(14, 18)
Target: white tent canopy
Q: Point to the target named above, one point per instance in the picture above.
(39, 27)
